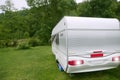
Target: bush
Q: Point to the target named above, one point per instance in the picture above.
(34, 42)
(8, 43)
(11, 43)
(2, 43)
(23, 44)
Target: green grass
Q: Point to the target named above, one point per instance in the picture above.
(38, 63)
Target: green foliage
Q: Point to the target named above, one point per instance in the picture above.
(118, 10)
(26, 35)
(11, 43)
(23, 44)
(99, 8)
(34, 42)
(2, 43)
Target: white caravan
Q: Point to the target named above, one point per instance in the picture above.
(85, 44)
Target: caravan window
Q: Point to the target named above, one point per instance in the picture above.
(57, 39)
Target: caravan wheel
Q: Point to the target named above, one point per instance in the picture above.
(60, 67)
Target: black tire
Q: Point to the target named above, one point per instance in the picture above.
(60, 67)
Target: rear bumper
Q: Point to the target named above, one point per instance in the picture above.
(90, 68)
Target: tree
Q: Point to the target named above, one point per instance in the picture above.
(118, 10)
(99, 8)
(9, 6)
(49, 12)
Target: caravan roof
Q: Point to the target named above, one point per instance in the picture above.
(69, 22)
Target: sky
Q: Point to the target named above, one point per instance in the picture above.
(22, 3)
(19, 4)
(78, 1)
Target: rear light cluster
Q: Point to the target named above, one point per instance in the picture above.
(75, 62)
(96, 54)
(117, 58)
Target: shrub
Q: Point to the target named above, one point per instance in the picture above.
(11, 43)
(2, 43)
(34, 42)
(23, 44)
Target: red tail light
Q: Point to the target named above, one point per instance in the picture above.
(94, 55)
(117, 58)
(75, 62)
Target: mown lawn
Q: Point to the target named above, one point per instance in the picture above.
(38, 64)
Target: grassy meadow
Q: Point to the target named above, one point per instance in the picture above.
(38, 63)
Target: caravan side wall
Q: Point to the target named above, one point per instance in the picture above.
(59, 44)
(59, 48)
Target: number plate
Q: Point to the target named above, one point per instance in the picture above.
(96, 61)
